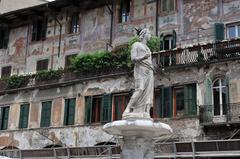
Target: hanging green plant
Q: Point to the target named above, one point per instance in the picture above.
(16, 81)
(46, 75)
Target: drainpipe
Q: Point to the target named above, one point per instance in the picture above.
(111, 29)
(157, 4)
(60, 36)
(27, 48)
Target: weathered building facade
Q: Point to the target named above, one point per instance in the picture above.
(196, 86)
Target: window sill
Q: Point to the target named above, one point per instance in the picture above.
(166, 13)
(36, 42)
(177, 118)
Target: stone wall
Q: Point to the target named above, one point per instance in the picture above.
(94, 33)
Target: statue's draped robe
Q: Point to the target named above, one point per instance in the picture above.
(142, 98)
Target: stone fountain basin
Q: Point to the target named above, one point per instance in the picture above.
(137, 128)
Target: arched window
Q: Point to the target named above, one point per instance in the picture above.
(220, 95)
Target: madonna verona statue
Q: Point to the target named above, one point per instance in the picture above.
(142, 98)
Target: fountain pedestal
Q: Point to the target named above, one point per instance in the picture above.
(137, 136)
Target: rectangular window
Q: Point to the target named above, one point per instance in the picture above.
(24, 114)
(176, 101)
(69, 113)
(68, 60)
(168, 5)
(4, 38)
(98, 109)
(124, 11)
(233, 30)
(6, 71)
(46, 114)
(74, 27)
(42, 65)
(4, 118)
(39, 29)
(120, 103)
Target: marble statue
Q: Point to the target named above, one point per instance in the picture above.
(142, 98)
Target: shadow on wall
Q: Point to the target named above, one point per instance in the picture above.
(53, 146)
(105, 143)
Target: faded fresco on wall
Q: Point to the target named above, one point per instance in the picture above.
(18, 42)
(96, 29)
(199, 14)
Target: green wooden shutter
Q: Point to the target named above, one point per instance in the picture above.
(1, 118)
(71, 111)
(219, 31)
(174, 39)
(46, 114)
(158, 104)
(66, 109)
(167, 104)
(118, 107)
(208, 101)
(106, 108)
(24, 113)
(190, 103)
(88, 109)
(161, 42)
(5, 118)
(226, 106)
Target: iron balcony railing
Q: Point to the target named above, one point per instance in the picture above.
(227, 113)
(199, 54)
(187, 149)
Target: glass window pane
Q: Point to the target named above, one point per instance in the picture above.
(180, 101)
(164, 5)
(238, 30)
(216, 83)
(171, 5)
(231, 32)
(224, 100)
(216, 99)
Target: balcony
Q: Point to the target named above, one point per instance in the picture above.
(199, 54)
(230, 115)
(55, 78)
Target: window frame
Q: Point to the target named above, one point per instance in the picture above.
(4, 38)
(95, 108)
(124, 13)
(67, 112)
(74, 28)
(41, 62)
(125, 99)
(41, 116)
(3, 125)
(21, 124)
(105, 108)
(168, 6)
(220, 87)
(236, 30)
(39, 29)
(175, 111)
(6, 74)
(165, 101)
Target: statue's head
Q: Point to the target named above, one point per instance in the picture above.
(144, 34)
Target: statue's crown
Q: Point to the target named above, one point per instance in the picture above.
(138, 31)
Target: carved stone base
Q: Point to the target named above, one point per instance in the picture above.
(134, 116)
(137, 136)
(137, 148)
